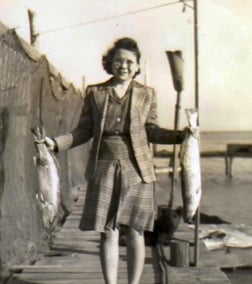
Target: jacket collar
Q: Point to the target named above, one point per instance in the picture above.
(109, 84)
(104, 89)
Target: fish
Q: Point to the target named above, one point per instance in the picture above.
(48, 195)
(191, 186)
(218, 236)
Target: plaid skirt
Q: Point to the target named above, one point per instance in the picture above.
(117, 196)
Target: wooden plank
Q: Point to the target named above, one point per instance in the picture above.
(77, 235)
(86, 260)
(57, 268)
(233, 257)
(75, 247)
(195, 275)
(205, 257)
(146, 278)
(45, 276)
(71, 243)
(203, 154)
(78, 281)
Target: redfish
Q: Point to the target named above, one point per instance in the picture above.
(48, 178)
(190, 168)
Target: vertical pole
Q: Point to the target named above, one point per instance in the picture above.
(83, 85)
(41, 122)
(175, 150)
(197, 217)
(146, 70)
(196, 55)
(33, 35)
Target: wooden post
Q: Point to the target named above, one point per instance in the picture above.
(4, 118)
(83, 86)
(179, 253)
(197, 217)
(33, 34)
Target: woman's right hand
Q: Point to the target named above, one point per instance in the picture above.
(190, 131)
(50, 143)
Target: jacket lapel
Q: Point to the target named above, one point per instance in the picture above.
(102, 92)
(137, 99)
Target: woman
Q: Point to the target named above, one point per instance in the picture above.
(121, 117)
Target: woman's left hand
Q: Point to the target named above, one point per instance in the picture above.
(194, 131)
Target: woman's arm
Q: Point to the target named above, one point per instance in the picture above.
(84, 130)
(158, 135)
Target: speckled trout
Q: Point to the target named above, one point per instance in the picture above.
(48, 178)
(190, 168)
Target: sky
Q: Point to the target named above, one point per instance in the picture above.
(75, 34)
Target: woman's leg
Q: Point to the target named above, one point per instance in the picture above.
(135, 255)
(109, 255)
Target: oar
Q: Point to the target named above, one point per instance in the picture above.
(176, 64)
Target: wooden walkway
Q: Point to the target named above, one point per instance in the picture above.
(74, 259)
(207, 271)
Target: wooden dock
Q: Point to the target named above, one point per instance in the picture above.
(206, 272)
(74, 259)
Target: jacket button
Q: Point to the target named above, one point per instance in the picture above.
(117, 132)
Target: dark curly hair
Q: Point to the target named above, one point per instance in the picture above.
(123, 43)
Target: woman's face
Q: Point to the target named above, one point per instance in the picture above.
(124, 65)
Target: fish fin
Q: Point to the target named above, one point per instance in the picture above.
(42, 198)
(43, 163)
(35, 160)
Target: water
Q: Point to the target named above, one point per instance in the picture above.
(218, 140)
(237, 191)
(228, 198)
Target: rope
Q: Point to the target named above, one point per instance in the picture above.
(115, 16)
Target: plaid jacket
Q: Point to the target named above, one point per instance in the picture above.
(143, 127)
